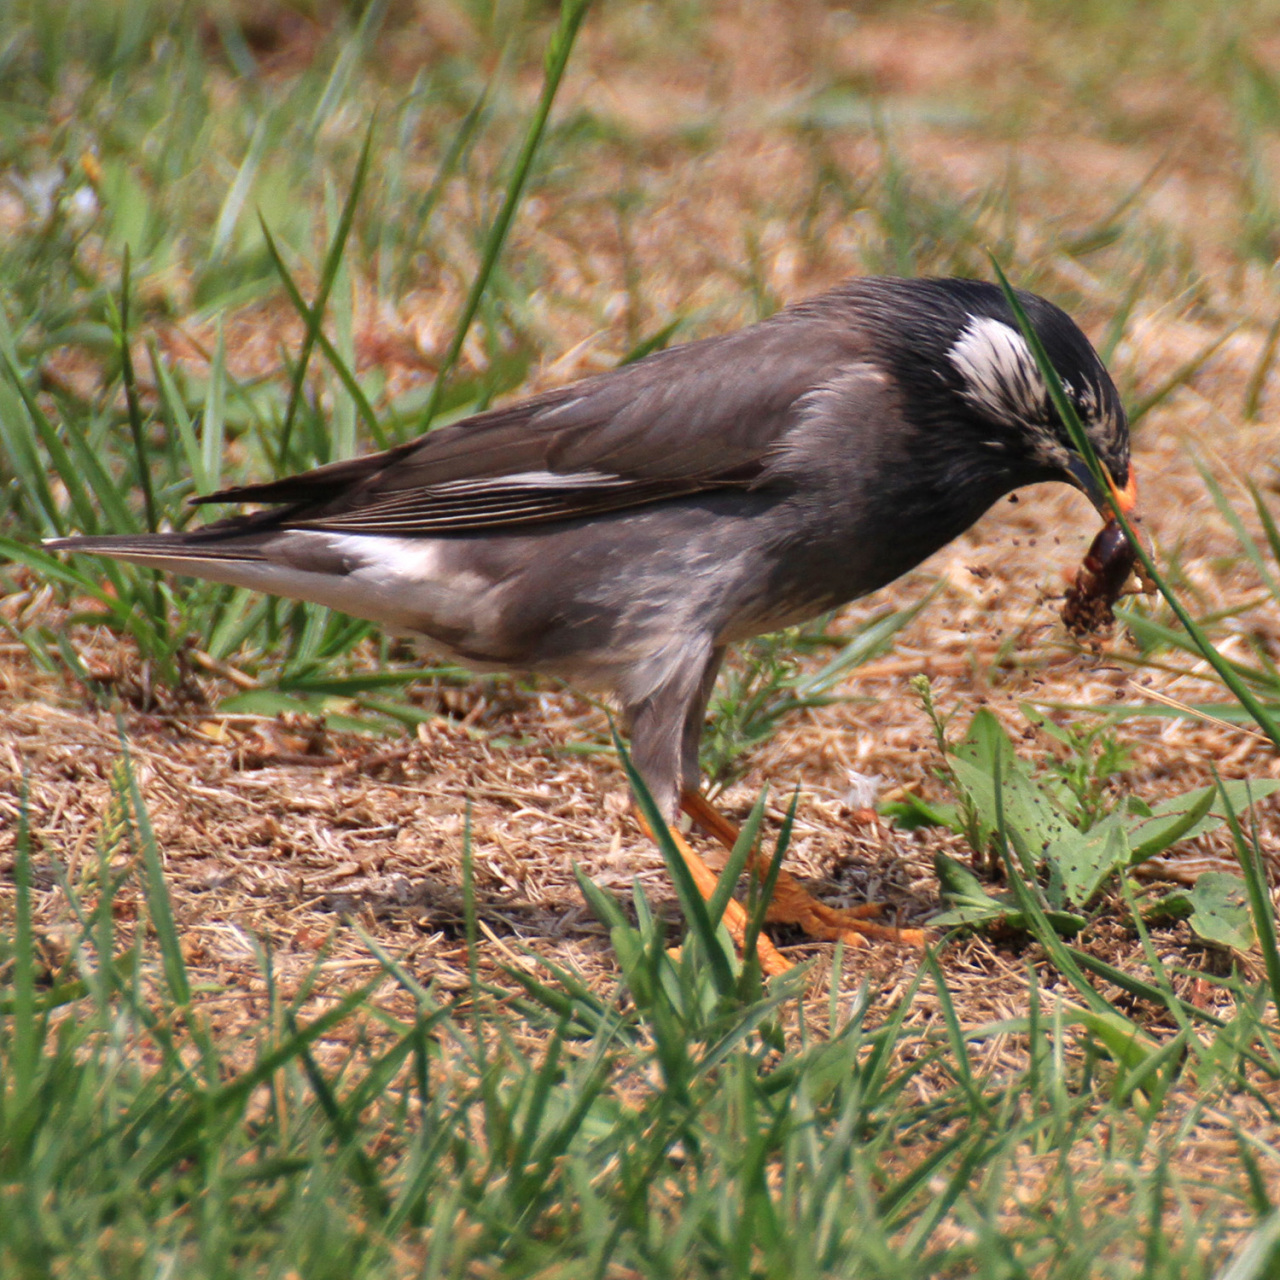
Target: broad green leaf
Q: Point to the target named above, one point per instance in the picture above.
(1173, 906)
(337, 712)
(1220, 910)
(910, 811)
(1086, 858)
(984, 742)
(125, 198)
(1169, 821)
(1030, 816)
(1147, 1083)
(973, 905)
(1122, 1038)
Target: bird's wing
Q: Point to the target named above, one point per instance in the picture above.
(704, 416)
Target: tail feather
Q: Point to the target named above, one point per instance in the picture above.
(381, 579)
(238, 560)
(141, 548)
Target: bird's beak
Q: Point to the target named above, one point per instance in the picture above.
(1125, 499)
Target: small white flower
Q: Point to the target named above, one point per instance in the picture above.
(82, 206)
(863, 789)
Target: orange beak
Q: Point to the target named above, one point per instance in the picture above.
(1127, 498)
(1106, 500)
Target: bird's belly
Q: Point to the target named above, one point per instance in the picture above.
(592, 602)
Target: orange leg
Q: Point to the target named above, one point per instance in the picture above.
(772, 961)
(793, 904)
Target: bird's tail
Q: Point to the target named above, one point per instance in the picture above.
(240, 560)
(152, 548)
(329, 569)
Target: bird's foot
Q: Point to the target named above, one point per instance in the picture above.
(772, 961)
(793, 904)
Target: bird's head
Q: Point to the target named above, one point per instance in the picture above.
(972, 373)
(993, 369)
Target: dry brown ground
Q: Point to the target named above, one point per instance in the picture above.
(277, 831)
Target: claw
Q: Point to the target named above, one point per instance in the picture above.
(794, 904)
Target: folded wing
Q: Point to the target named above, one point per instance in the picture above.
(694, 419)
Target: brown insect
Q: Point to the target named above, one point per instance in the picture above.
(1089, 604)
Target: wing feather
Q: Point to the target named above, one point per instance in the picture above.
(707, 415)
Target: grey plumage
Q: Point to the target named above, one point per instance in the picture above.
(621, 532)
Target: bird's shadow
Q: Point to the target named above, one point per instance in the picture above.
(436, 904)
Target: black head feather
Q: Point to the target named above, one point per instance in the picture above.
(957, 352)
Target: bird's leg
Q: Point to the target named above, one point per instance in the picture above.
(664, 728)
(772, 961)
(791, 902)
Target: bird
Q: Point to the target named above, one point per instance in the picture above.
(621, 532)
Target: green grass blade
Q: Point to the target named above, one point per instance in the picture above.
(691, 901)
(758, 905)
(471, 929)
(453, 157)
(49, 566)
(572, 13)
(1120, 319)
(175, 414)
(960, 1064)
(1256, 1257)
(1156, 965)
(130, 380)
(1267, 520)
(313, 315)
(1261, 908)
(21, 454)
(1261, 372)
(25, 1051)
(63, 466)
(870, 642)
(538, 1098)
(377, 1200)
(238, 193)
(1137, 987)
(354, 48)
(603, 905)
(1179, 377)
(313, 318)
(158, 904)
(1243, 536)
(183, 1134)
(213, 419)
(657, 341)
(745, 842)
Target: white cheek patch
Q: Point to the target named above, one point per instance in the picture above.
(1000, 373)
